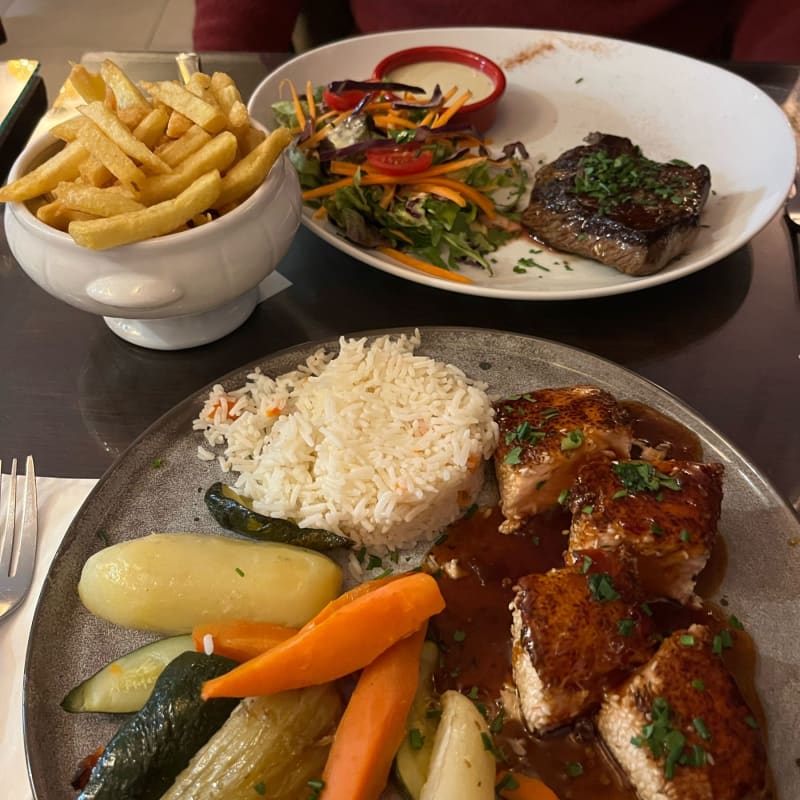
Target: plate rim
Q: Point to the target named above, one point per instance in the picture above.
(672, 272)
(712, 438)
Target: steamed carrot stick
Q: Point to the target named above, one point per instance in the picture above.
(525, 788)
(347, 640)
(423, 266)
(240, 639)
(359, 590)
(374, 723)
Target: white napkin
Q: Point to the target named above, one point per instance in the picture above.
(59, 499)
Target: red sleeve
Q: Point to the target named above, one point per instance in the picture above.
(255, 25)
(768, 30)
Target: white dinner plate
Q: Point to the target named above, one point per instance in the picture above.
(562, 86)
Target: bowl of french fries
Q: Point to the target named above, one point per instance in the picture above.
(160, 206)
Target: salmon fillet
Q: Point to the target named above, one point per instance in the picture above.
(546, 436)
(575, 632)
(680, 729)
(665, 513)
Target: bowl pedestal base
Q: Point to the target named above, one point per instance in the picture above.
(192, 330)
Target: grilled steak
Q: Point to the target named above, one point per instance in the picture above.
(606, 201)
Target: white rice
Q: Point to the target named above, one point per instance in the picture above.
(378, 443)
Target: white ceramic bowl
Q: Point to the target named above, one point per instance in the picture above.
(175, 291)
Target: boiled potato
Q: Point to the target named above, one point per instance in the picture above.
(170, 582)
(462, 768)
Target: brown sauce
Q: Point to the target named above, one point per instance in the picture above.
(474, 628)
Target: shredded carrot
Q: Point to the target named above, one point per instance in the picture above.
(400, 235)
(343, 168)
(352, 636)
(452, 110)
(449, 94)
(525, 788)
(393, 120)
(240, 639)
(483, 202)
(423, 266)
(298, 107)
(378, 105)
(428, 118)
(373, 725)
(388, 195)
(312, 106)
(441, 191)
(320, 213)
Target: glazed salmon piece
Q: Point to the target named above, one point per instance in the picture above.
(546, 436)
(575, 632)
(680, 729)
(665, 513)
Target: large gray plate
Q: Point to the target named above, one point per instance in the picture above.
(134, 498)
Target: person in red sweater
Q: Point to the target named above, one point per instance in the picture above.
(755, 30)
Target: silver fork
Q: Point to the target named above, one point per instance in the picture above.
(17, 544)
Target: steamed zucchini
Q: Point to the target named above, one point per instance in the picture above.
(269, 745)
(413, 758)
(170, 582)
(462, 764)
(125, 684)
(234, 513)
(146, 754)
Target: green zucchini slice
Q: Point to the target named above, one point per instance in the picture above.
(125, 684)
(151, 748)
(234, 513)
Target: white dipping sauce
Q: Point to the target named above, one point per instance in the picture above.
(447, 74)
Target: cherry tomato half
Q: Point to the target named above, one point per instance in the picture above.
(405, 159)
(343, 101)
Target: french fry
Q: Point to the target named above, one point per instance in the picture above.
(176, 150)
(251, 139)
(67, 130)
(94, 173)
(89, 85)
(152, 127)
(132, 106)
(123, 138)
(157, 220)
(98, 202)
(110, 155)
(63, 166)
(178, 97)
(229, 100)
(58, 216)
(244, 176)
(177, 125)
(218, 154)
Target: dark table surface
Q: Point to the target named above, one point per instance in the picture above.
(726, 340)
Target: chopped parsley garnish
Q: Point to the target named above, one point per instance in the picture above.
(470, 512)
(587, 562)
(441, 539)
(563, 496)
(626, 626)
(239, 572)
(698, 684)
(535, 539)
(540, 484)
(473, 693)
(549, 413)
(656, 529)
(639, 476)
(415, 739)
(507, 782)
(735, 622)
(687, 640)
(260, 788)
(752, 722)
(574, 769)
(488, 744)
(722, 641)
(386, 573)
(587, 509)
(459, 636)
(394, 555)
(620, 493)
(497, 723)
(361, 554)
(611, 181)
(316, 787)
(601, 587)
(668, 742)
(701, 728)
(433, 713)
(513, 456)
(102, 536)
(647, 610)
(524, 434)
(572, 440)
(529, 262)
(685, 536)
(157, 463)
